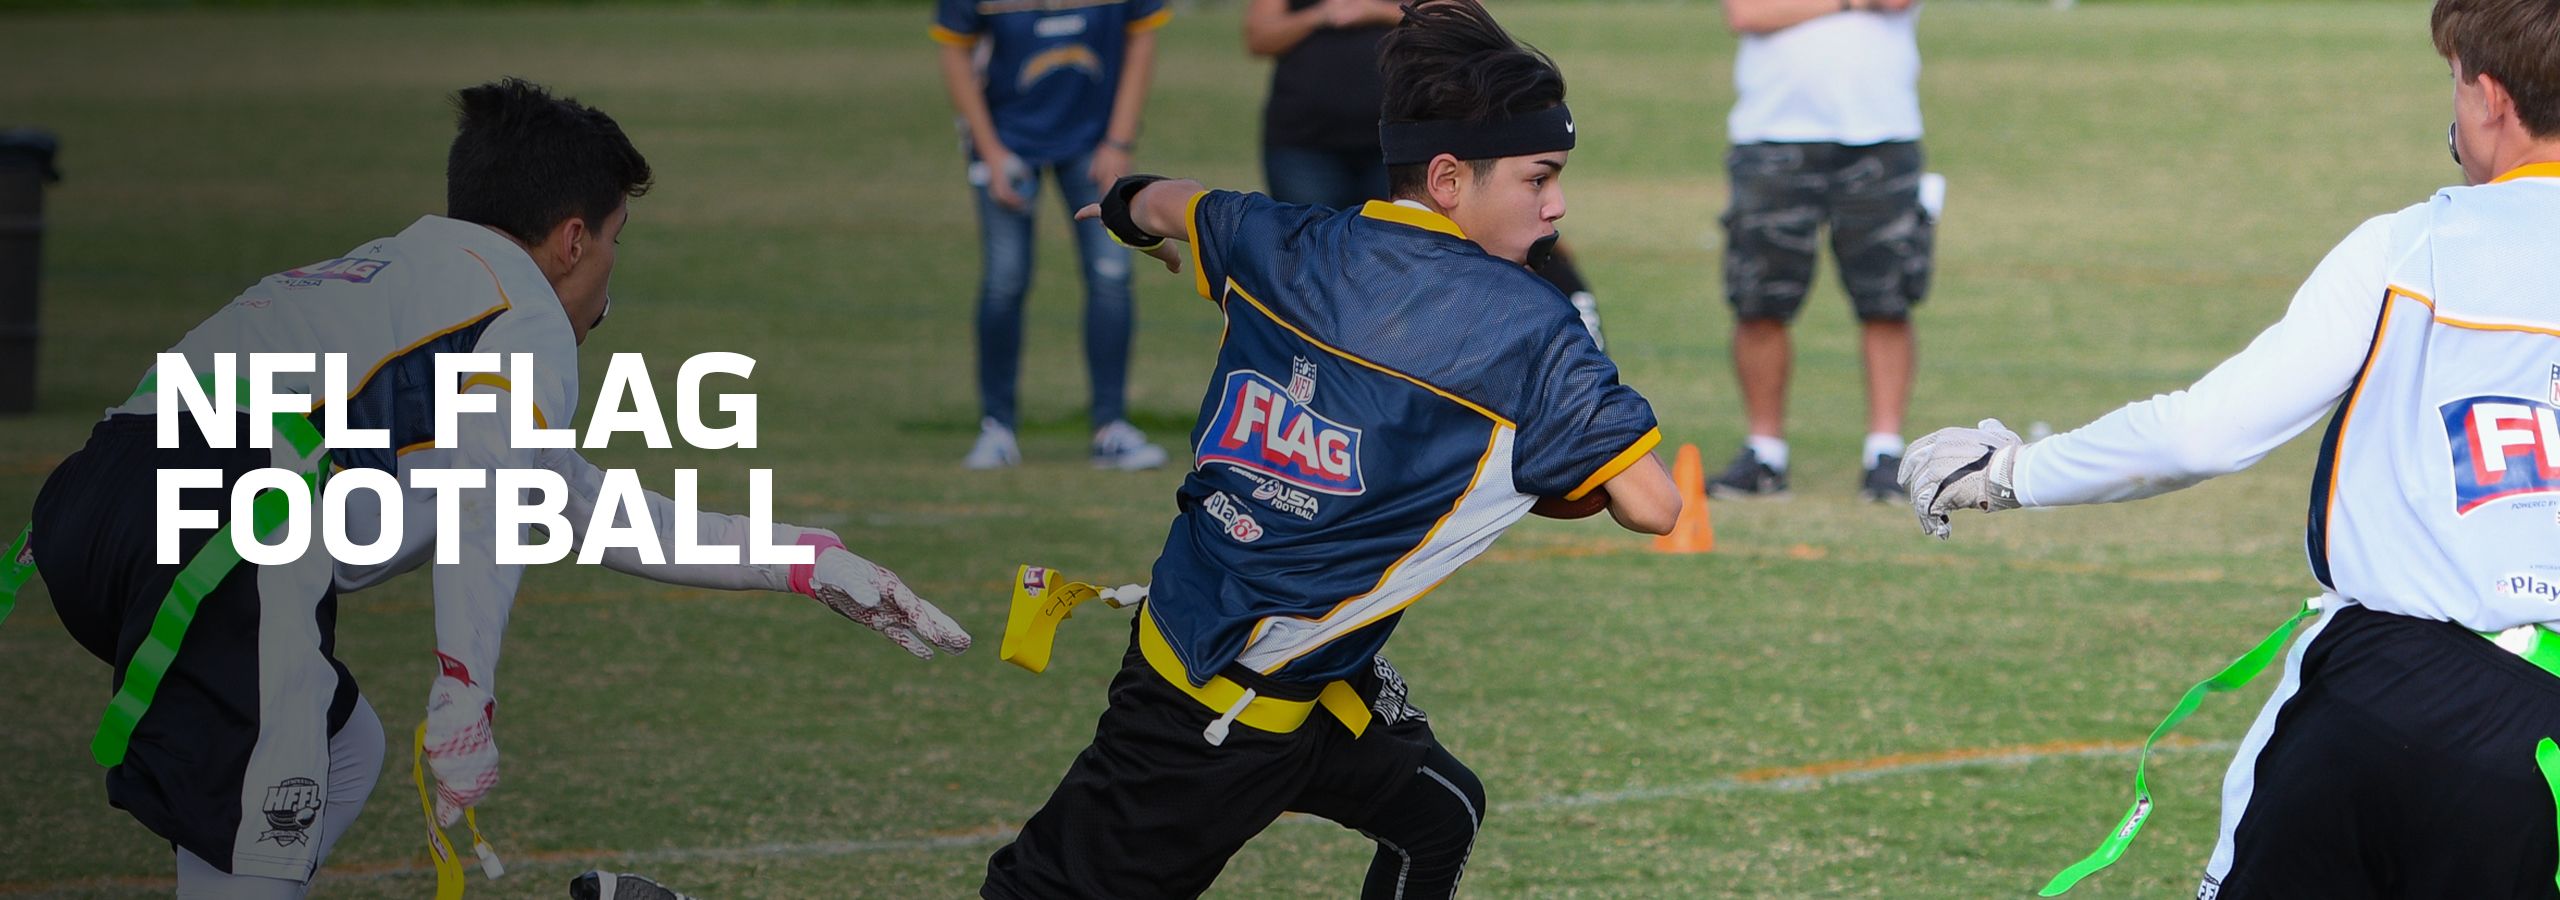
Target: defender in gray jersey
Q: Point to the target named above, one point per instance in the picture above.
(255, 752)
(2406, 751)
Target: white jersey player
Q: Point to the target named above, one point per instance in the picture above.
(2398, 756)
(237, 735)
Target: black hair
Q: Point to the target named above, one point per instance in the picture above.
(524, 161)
(1449, 61)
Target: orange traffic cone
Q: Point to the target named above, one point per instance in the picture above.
(1693, 533)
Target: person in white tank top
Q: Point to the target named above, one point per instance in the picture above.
(1826, 133)
(2406, 751)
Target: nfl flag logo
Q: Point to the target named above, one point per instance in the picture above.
(1302, 381)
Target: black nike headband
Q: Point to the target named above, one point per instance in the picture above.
(1543, 131)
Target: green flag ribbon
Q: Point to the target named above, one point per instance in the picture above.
(15, 569)
(199, 577)
(2238, 673)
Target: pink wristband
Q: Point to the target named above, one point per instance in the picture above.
(801, 573)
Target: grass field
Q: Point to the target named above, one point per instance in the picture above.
(1829, 705)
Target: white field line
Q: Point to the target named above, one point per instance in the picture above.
(1793, 778)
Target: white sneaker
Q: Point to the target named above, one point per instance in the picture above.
(995, 448)
(1122, 446)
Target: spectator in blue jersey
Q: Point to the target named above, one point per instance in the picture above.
(1393, 391)
(1055, 87)
(1320, 125)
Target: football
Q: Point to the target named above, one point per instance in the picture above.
(1561, 508)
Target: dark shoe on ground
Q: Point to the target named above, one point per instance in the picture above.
(1747, 476)
(1883, 484)
(618, 886)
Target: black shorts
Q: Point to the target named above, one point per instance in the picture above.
(184, 769)
(2400, 764)
(1783, 194)
(1151, 810)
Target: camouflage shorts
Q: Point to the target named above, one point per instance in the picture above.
(1870, 196)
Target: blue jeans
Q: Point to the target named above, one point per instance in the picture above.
(1341, 179)
(1004, 239)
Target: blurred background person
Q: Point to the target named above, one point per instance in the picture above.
(1826, 130)
(1056, 90)
(1320, 124)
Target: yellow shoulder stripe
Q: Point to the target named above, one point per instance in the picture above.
(1238, 290)
(1191, 220)
(1406, 215)
(1617, 464)
(495, 380)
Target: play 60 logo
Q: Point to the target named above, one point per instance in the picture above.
(2528, 586)
(1240, 524)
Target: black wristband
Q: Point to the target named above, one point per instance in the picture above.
(1115, 212)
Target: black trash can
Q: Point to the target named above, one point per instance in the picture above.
(26, 165)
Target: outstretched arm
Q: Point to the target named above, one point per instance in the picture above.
(1160, 210)
(1643, 498)
(853, 587)
(2283, 383)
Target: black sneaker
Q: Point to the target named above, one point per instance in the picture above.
(1747, 476)
(1883, 483)
(618, 886)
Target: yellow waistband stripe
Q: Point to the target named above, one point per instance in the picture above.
(1268, 714)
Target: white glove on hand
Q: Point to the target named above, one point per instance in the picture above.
(462, 750)
(874, 598)
(1955, 468)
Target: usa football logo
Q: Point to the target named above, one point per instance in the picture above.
(1259, 428)
(2502, 447)
(348, 269)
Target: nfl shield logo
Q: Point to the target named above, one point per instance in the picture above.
(2555, 384)
(1302, 381)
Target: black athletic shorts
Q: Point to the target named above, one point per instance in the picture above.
(95, 529)
(1783, 194)
(2400, 766)
(1151, 810)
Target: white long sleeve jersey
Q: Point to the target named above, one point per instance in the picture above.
(444, 286)
(2433, 334)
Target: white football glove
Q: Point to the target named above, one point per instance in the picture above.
(462, 750)
(1958, 468)
(875, 598)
